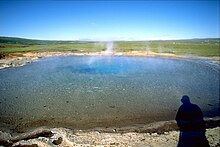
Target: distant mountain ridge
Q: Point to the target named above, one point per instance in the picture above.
(17, 40)
(25, 41)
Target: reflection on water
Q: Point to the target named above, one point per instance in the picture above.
(99, 91)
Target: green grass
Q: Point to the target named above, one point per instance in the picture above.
(197, 47)
(180, 47)
(74, 47)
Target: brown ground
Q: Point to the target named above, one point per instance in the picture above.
(64, 137)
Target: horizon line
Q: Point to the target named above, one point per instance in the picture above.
(112, 40)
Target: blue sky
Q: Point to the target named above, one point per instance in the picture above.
(109, 20)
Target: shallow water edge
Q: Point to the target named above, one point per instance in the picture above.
(12, 60)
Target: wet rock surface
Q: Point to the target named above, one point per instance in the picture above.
(16, 62)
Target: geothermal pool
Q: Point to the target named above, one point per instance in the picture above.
(102, 91)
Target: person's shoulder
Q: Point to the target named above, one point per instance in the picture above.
(182, 106)
(194, 105)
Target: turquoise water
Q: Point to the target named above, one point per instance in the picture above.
(84, 92)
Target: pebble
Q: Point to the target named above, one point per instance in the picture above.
(166, 133)
(154, 134)
(58, 141)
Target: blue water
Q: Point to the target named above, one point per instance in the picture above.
(81, 91)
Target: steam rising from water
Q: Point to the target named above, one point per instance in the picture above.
(148, 48)
(109, 51)
(109, 46)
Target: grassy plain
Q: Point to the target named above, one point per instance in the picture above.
(194, 47)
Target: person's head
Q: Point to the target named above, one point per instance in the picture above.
(185, 99)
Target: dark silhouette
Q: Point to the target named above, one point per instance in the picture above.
(192, 126)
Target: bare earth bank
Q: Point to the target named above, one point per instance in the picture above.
(164, 133)
(65, 137)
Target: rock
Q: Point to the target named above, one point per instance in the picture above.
(58, 141)
(112, 106)
(166, 133)
(114, 144)
(2, 56)
(154, 134)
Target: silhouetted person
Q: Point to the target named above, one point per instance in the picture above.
(192, 126)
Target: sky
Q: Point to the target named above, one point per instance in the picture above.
(110, 20)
